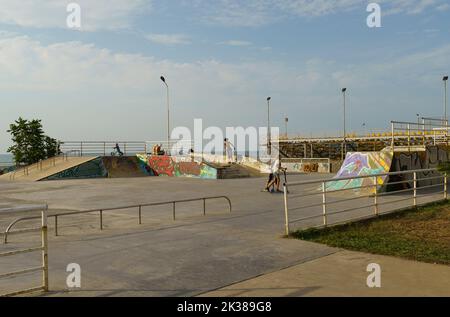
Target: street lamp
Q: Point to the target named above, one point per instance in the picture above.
(268, 126)
(445, 79)
(286, 121)
(344, 146)
(168, 112)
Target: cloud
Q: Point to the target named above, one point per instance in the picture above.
(169, 39)
(73, 84)
(254, 13)
(95, 14)
(236, 43)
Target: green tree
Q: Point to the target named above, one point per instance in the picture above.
(30, 144)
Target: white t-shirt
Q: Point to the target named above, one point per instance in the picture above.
(275, 166)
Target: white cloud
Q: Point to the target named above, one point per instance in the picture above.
(95, 14)
(169, 39)
(255, 13)
(236, 43)
(72, 85)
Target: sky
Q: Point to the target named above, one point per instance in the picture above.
(221, 59)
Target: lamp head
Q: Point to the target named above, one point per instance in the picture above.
(163, 79)
(445, 78)
(344, 89)
(269, 98)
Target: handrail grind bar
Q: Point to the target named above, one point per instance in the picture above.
(101, 210)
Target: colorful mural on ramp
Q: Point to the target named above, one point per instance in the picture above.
(362, 164)
(174, 166)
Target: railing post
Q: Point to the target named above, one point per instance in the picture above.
(204, 207)
(173, 211)
(409, 137)
(393, 136)
(375, 183)
(104, 148)
(81, 149)
(140, 215)
(44, 251)
(324, 203)
(445, 186)
(415, 189)
(101, 219)
(56, 226)
(286, 211)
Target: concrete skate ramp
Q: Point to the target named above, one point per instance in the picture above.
(427, 158)
(174, 166)
(362, 164)
(47, 169)
(125, 166)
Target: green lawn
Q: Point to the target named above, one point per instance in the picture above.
(421, 234)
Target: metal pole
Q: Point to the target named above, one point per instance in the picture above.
(344, 146)
(101, 219)
(204, 207)
(173, 211)
(445, 186)
(445, 100)
(44, 251)
(375, 183)
(324, 204)
(140, 215)
(168, 118)
(56, 226)
(268, 126)
(415, 189)
(286, 210)
(393, 137)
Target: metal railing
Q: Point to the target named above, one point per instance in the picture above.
(102, 210)
(103, 148)
(41, 165)
(43, 248)
(369, 190)
(413, 134)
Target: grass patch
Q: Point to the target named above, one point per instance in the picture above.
(421, 234)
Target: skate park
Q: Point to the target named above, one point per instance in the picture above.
(181, 234)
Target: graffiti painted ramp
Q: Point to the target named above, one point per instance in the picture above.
(125, 166)
(362, 164)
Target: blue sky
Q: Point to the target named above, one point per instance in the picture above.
(222, 58)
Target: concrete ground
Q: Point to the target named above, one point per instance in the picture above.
(187, 257)
(344, 273)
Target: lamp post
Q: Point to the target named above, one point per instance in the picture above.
(344, 145)
(286, 121)
(168, 112)
(445, 79)
(268, 126)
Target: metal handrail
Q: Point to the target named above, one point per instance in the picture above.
(39, 165)
(326, 202)
(43, 248)
(362, 176)
(139, 206)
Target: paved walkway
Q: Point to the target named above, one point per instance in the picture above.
(344, 274)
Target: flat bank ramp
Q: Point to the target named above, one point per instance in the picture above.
(124, 166)
(45, 169)
(362, 164)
